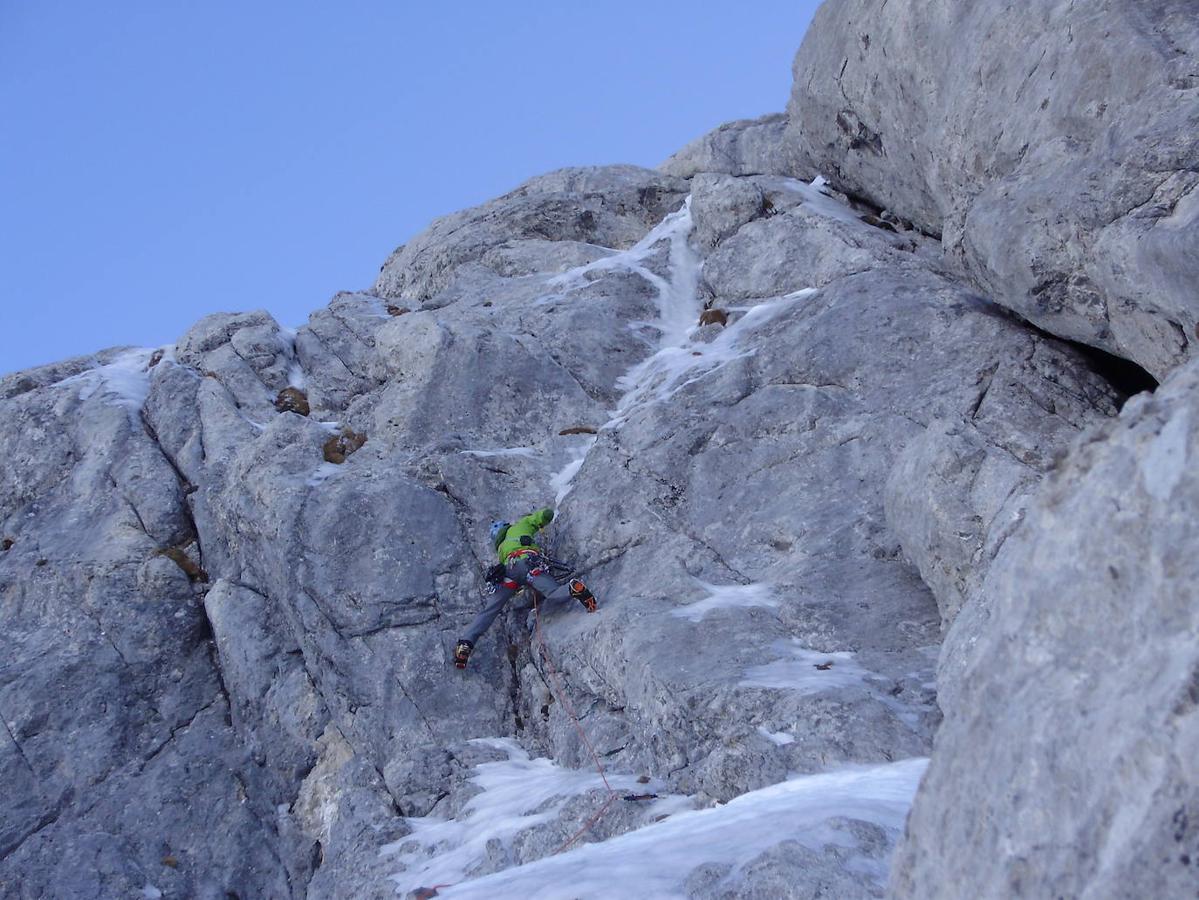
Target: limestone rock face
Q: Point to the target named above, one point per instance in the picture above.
(117, 747)
(1053, 150)
(724, 498)
(958, 491)
(831, 496)
(610, 207)
(745, 147)
(1073, 724)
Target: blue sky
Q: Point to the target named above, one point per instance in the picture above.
(164, 159)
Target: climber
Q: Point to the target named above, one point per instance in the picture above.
(521, 564)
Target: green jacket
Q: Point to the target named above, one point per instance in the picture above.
(524, 527)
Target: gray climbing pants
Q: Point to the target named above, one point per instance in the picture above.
(519, 572)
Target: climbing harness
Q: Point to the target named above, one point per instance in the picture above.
(521, 553)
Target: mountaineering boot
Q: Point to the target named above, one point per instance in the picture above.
(462, 654)
(579, 591)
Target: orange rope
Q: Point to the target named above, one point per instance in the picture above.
(430, 892)
(565, 701)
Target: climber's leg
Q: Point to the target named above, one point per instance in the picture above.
(556, 594)
(500, 594)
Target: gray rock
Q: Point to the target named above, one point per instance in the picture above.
(535, 256)
(344, 807)
(1072, 724)
(722, 204)
(744, 147)
(953, 499)
(258, 640)
(246, 352)
(272, 700)
(611, 206)
(959, 490)
(107, 686)
(1051, 149)
(797, 249)
(843, 365)
(335, 353)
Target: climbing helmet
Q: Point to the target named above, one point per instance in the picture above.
(497, 532)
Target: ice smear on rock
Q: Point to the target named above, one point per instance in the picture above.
(656, 860)
(560, 481)
(798, 670)
(678, 360)
(125, 381)
(675, 366)
(676, 298)
(502, 451)
(295, 372)
(727, 596)
(779, 738)
(517, 793)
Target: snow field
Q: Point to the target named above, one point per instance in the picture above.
(517, 793)
(655, 861)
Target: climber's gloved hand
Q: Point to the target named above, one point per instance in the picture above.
(495, 574)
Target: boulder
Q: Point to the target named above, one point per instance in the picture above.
(744, 147)
(1072, 723)
(1050, 149)
(610, 206)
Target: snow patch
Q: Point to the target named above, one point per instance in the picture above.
(323, 473)
(502, 451)
(797, 670)
(1165, 463)
(816, 200)
(518, 793)
(656, 860)
(674, 367)
(727, 596)
(560, 482)
(780, 738)
(819, 202)
(123, 382)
